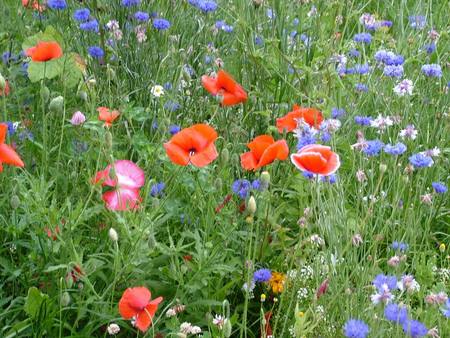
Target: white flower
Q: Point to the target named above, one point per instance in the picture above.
(408, 283)
(186, 328)
(381, 123)
(383, 295)
(113, 329)
(157, 91)
(171, 313)
(196, 330)
(435, 152)
(404, 87)
(219, 321)
(409, 132)
(112, 233)
(316, 239)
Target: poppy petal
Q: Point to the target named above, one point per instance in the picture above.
(103, 177)
(230, 99)
(138, 297)
(9, 156)
(206, 131)
(129, 174)
(332, 166)
(205, 157)
(177, 154)
(309, 161)
(278, 150)
(143, 321)
(210, 84)
(122, 199)
(225, 81)
(260, 144)
(3, 131)
(248, 161)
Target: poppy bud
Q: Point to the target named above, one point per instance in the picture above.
(82, 95)
(249, 220)
(383, 168)
(218, 183)
(108, 140)
(2, 82)
(227, 328)
(45, 93)
(65, 299)
(265, 177)
(112, 233)
(225, 155)
(272, 130)
(235, 158)
(251, 205)
(56, 105)
(110, 73)
(15, 202)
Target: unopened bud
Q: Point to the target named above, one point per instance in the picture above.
(383, 168)
(2, 82)
(112, 233)
(265, 177)
(249, 219)
(442, 247)
(108, 140)
(65, 299)
(56, 105)
(218, 183)
(225, 156)
(227, 328)
(15, 201)
(45, 94)
(82, 95)
(110, 73)
(251, 205)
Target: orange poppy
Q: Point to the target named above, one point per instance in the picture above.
(264, 150)
(108, 116)
(136, 303)
(230, 91)
(193, 145)
(45, 51)
(34, 4)
(5, 91)
(311, 116)
(7, 154)
(316, 159)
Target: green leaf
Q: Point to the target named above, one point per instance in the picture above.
(56, 267)
(48, 70)
(34, 301)
(50, 34)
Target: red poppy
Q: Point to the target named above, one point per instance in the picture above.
(5, 91)
(107, 115)
(311, 116)
(34, 4)
(45, 51)
(230, 91)
(322, 288)
(136, 303)
(75, 274)
(316, 159)
(264, 150)
(7, 154)
(193, 145)
(52, 234)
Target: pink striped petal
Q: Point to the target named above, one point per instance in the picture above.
(129, 175)
(122, 199)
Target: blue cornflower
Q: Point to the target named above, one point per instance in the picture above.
(306, 39)
(358, 69)
(381, 279)
(258, 185)
(337, 112)
(396, 149)
(167, 86)
(6, 57)
(355, 328)
(373, 148)
(295, 22)
(432, 70)
(305, 139)
(386, 23)
(79, 147)
(332, 179)
(90, 26)
(174, 129)
(155, 125)
(414, 328)
(259, 41)
(439, 187)
(26, 134)
(270, 13)
(396, 313)
(96, 52)
(157, 189)
(354, 53)
(172, 106)
(363, 120)
(399, 246)
(161, 24)
(325, 137)
(421, 160)
(82, 15)
(262, 275)
(430, 48)
(363, 38)
(393, 71)
(361, 87)
(241, 188)
(308, 175)
(208, 59)
(446, 309)
(141, 16)
(389, 58)
(129, 3)
(57, 4)
(207, 6)
(12, 127)
(417, 21)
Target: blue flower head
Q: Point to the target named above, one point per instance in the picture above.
(414, 328)
(96, 52)
(393, 71)
(446, 309)
(141, 16)
(157, 189)
(396, 313)
(262, 275)
(241, 188)
(89, 26)
(399, 246)
(57, 4)
(439, 187)
(355, 328)
(337, 112)
(129, 3)
(420, 161)
(82, 15)
(417, 21)
(396, 149)
(161, 24)
(381, 279)
(361, 87)
(432, 70)
(207, 6)
(363, 120)
(373, 147)
(363, 38)
(174, 129)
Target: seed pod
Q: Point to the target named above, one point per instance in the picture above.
(265, 177)
(45, 94)
(227, 328)
(225, 155)
(82, 95)
(251, 205)
(218, 183)
(65, 299)
(15, 202)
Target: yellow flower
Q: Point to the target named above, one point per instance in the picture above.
(263, 297)
(276, 282)
(442, 247)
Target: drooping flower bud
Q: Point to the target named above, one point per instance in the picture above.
(112, 233)
(56, 105)
(45, 94)
(251, 205)
(225, 156)
(15, 202)
(65, 299)
(265, 177)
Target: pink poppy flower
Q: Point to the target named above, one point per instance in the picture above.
(129, 178)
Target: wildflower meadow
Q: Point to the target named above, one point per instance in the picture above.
(224, 168)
